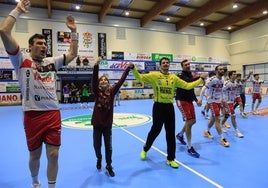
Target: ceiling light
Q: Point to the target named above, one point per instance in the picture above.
(126, 13)
(265, 12)
(167, 19)
(235, 5)
(229, 28)
(77, 7)
(201, 24)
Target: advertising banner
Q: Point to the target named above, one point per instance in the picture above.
(10, 99)
(102, 48)
(158, 56)
(48, 34)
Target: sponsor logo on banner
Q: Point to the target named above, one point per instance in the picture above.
(157, 56)
(102, 49)
(6, 74)
(48, 34)
(10, 99)
(117, 55)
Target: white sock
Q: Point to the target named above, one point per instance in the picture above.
(35, 179)
(51, 184)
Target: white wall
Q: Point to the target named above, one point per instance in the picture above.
(154, 38)
(249, 45)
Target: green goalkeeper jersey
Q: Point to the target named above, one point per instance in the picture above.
(164, 85)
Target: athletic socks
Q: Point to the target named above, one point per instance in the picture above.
(35, 180)
(51, 184)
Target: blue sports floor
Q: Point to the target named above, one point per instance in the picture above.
(243, 164)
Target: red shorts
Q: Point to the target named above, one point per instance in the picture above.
(187, 109)
(238, 99)
(256, 96)
(42, 126)
(215, 108)
(229, 108)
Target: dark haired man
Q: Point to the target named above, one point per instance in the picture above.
(256, 92)
(228, 97)
(37, 79)
(164, 84)
(184, 101)
(241, 90)
(214, 99)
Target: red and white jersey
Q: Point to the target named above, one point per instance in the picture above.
(256, 85)
(37, 81)
(229, 91)
(203, 92)
(214, 89)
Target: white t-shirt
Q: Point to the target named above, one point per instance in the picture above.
(37, 81)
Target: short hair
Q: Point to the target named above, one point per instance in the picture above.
(238, 75)
(164, 58)
(212, 73)
(230, 73)
(255, 75)
(225, 69)
(185, 60)
(38, 36)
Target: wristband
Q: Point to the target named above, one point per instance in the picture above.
(15, 13)
(74, 36)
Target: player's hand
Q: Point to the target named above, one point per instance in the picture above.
(203, 75)
(23, 6)
(70, 23)
(99, 59)
(131, 65)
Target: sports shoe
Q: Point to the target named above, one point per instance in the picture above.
(226, 125)
(36, 185)
(180, 138)
(239, 134)
(193, 153)
(143, 154)
(172, 163)
(207, 134)
(223, 130)
(244, 115)
(109, 171)
(255, 112)
(207, 117)
(224, 142)
(98, 165)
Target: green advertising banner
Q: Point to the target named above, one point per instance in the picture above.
(157, 56)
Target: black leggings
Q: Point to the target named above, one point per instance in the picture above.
(163, 114)
(97, 138)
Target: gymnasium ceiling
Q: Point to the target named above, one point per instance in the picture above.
(214, 14)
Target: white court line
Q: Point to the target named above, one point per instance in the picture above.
(182, 164)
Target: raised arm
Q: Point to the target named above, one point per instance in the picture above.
(248, 76)
(73, 50)
(11, 45)
(95, 76)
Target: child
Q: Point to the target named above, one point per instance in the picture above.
(102, 117)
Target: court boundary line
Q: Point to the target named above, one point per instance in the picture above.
(180, 163)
